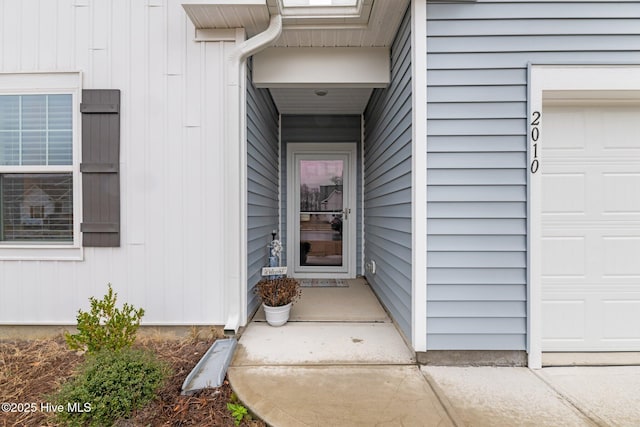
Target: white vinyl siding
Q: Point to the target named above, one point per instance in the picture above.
(477, 59)
(170, 258)
(387, 190)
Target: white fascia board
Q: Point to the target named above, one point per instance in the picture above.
(322, 67)
(215, 35)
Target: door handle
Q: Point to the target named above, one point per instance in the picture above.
(345, 213)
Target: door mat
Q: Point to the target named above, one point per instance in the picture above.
(323, 283)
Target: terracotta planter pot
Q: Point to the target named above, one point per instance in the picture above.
(277, 316)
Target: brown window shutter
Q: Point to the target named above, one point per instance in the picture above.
(100, 167)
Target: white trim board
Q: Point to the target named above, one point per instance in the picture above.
(311, 67)
(559, 82)
(361, 205)
(419, 175)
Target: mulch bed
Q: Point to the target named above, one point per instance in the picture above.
(32, 370)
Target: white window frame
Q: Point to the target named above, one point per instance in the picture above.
(309, 8)
(604, 82)
(329, 15)
(49, 84)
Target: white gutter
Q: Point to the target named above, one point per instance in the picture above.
(235, 190)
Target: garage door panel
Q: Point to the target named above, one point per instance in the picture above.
(621, 257)
(563, 256)
(586, 321)
(620, 128)
(563, 124)
(620, 193)
(568, 196)
(564, 321)
(591, 228)
(621, 321)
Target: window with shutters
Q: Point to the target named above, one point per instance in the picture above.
(39, 165)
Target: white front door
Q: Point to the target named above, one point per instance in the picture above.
(321, 210)
(590, 226)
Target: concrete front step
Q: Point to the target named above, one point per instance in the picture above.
(322, 343)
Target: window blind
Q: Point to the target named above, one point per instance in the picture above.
(36, 130)
(37, 207)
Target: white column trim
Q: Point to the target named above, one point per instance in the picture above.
(419, 174)
(280, 219)
(363, 240)
(534, 314)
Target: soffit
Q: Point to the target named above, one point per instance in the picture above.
(374, 26)
(253, 15)
(378, 31)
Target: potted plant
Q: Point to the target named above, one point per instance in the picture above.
(277, 296)
(277, 292)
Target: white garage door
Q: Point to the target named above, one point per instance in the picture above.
(591, 227)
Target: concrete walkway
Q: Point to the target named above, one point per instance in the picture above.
(341, 362)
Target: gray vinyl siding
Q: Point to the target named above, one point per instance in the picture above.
(477, 56)
(387, 174)
(325, 129)
(262, 181)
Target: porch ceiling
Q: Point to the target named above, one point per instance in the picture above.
(336, 100)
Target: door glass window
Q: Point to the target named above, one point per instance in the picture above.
(321, 212)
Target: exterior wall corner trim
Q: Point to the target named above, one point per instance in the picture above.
(419, 173)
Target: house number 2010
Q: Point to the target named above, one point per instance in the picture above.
(535, 135)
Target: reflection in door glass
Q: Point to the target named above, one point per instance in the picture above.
(321, 204)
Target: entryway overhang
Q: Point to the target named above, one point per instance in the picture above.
(321, 48)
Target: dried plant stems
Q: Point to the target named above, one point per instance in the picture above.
(278, 292)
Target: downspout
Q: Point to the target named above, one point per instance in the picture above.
(235, 191)
(258, 42)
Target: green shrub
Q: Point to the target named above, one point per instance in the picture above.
(105, 326)
(110, 386)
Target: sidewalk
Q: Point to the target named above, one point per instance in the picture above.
(337, 370)
(578, 396)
